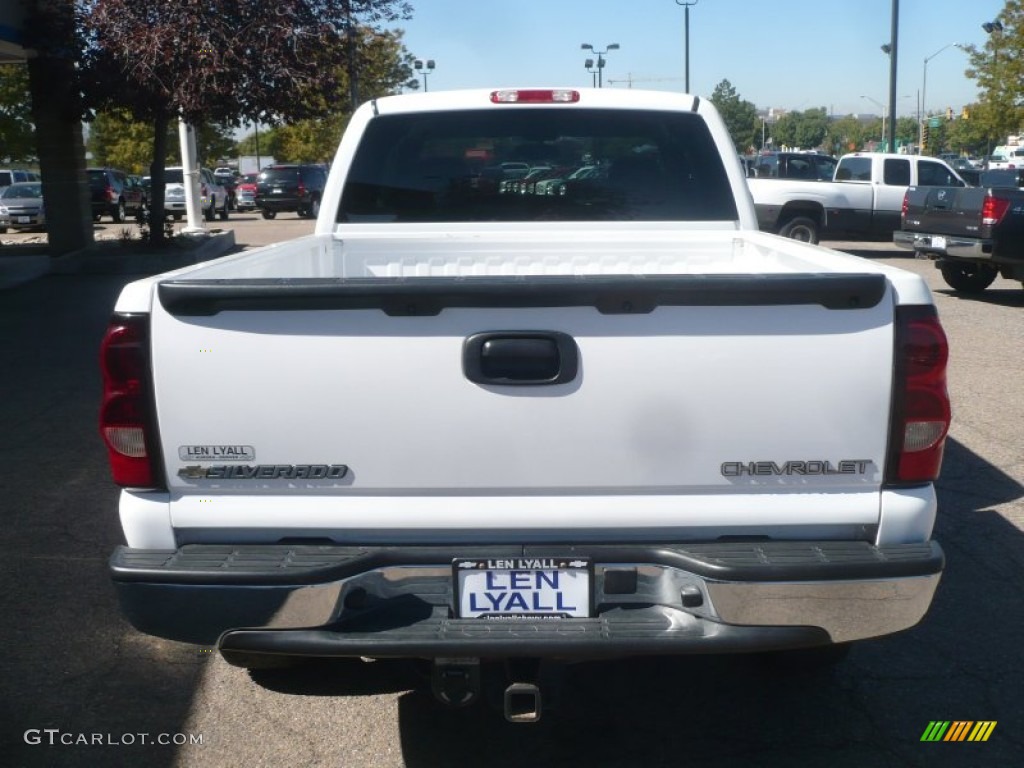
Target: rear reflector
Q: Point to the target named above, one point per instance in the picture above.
(535, 96)
(125, 421)
(921, 410)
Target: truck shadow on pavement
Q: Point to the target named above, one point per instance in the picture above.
(1002, 294)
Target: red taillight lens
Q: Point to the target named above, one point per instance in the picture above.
(921, 409)
(124, 413)
(993, 209)
(906, 204)
(302, 189)
(111, 194)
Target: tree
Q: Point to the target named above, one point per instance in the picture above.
(216, 61)
(805, 130)
(384, 68)
(740, 116)
(998, 70)
(847, 135)
(17, 140)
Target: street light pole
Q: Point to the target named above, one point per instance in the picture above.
(600, 59)
(893, 43)
(686, 35)
(924, 91)
(424, 68)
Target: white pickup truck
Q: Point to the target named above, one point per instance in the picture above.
(863, 200)
(469, 426)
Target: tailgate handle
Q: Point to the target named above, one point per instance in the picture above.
(520, 357)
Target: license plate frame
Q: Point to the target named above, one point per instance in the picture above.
(23, 219)
(938, 242)
(523, 588)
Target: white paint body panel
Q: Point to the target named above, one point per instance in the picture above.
(633, 446)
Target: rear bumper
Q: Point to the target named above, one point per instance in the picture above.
(281, 204)
(648, 599)
(977, 249)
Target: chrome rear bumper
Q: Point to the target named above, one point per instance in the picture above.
(647, 599)
(942, 245)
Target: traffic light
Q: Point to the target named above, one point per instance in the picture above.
(965, 114)
(949, 113)
(924, 138)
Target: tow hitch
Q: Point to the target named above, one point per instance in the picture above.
(522, 703)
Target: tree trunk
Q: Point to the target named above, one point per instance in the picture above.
(61, 155)
(156, 181)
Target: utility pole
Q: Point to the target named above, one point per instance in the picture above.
(893, 45)
(686, 35)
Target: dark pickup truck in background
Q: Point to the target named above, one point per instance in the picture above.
(973, 234)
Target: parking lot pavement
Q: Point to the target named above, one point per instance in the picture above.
(24, 260)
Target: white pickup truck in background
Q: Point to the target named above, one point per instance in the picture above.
(864, 199)
(480, 427)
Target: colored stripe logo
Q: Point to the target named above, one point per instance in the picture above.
(958, 730)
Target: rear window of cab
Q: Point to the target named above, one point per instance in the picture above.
(468, 166)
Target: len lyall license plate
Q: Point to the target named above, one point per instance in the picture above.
(522, 587)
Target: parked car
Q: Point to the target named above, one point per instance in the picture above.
(21, 206)
(297, 188)
(13, 175)
(214, 196)
(115, 194)
(245, 192)
(228, 179)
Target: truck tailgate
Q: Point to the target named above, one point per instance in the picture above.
(944, 210)
(364, 392)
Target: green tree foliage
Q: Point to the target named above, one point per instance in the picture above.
(998, 69)
(740, 116)
(847, 134)
(385, 67)
(118, 141)
(210, 62)
(17, 141)
(966, 134)
(803, 130)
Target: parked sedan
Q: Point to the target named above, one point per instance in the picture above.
(21, 206)
(245, 192)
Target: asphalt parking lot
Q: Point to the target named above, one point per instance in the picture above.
(72, 668)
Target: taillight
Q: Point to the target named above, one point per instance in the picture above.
(125, 418)
(906, 204)
(921, 410)
(993, 209)
(202, 190)
(302, 189)
(111, 194)
(535, 96)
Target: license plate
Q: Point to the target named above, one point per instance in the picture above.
(938, 242)
(275, 191)
(522, 588)
(24, 219)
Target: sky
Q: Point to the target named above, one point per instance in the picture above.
(791, 54)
